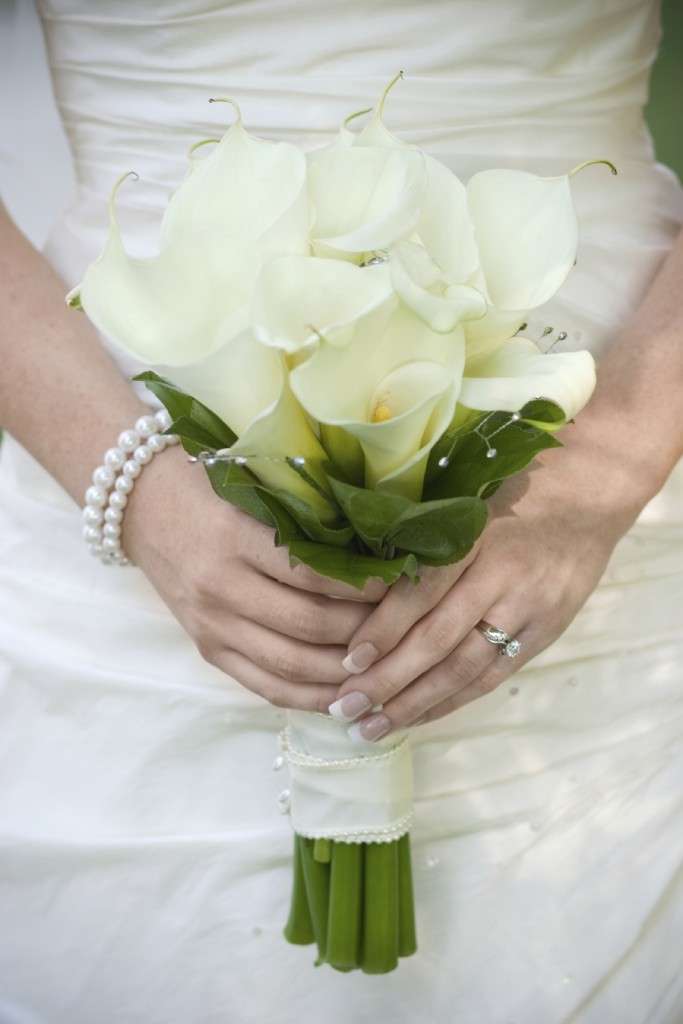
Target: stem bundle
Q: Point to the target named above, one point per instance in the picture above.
(355, 901)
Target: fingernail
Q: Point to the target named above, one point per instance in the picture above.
(360, 658)
(350, 706)
(369, 729)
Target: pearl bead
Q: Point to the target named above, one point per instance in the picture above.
(110, 544)
(124, 485)
(111, 530)
(172, 439)
(131, 469)
(118, 500)
(96, 549)
(91, 535)
(104, 476)
(129, 440)
(146, 426)
(156, 443)
(113, 515)
(114, 457)
(143, 454)
(92, 516)
(163, 418)
(96, 496)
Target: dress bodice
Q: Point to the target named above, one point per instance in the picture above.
(528, 84)
(522, 80)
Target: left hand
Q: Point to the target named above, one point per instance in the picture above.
(549, 537)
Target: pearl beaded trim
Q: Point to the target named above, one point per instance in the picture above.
(113, 481)
(362, 835)
(295, 756)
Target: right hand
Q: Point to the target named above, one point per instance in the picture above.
(282, 632)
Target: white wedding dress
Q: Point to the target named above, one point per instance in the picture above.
(144, 867)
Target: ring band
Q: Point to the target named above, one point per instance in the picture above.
(508, 645)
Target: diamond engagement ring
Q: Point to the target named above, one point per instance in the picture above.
(508, 644)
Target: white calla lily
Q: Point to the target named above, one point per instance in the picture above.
(393, 388)
(298, 298)
(245, 383)
(519, 372)
(424, 288)
(364, 198)
(243, 203)
(527, 234)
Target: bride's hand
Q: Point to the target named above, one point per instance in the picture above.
(550, 534)
(280, 632)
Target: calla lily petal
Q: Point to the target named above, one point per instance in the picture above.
(383, 389)
(421, 285)
(245, 383)
(526, 231)
(186, 302)
(365, 198)
(445, 227)
(245, 189)
(519, 372)
(298, 298)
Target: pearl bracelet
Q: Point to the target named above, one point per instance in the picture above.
(113, 481)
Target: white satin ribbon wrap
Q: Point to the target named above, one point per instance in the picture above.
(343, 790)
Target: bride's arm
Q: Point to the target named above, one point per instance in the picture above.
(551, 534)
(65, 401)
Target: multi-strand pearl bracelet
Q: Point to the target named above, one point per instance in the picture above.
(113, 481)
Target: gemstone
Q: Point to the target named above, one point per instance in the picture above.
(278, 763)
(491, 453)
(512, 648)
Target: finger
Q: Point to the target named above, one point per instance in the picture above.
(498, 672)
(279, 692)
(470, 663)
(405, 604)
(427, 644)
(260, 551)
(311, 617)
(284, 657)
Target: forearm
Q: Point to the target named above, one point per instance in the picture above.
(634, 420)
(61, 395)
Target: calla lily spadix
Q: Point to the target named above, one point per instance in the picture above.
(392, 388)
(519, 372)
(188, 301)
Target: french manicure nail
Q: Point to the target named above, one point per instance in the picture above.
(350, 706)
(360, 658)
(369, 729)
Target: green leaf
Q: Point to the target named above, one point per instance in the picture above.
(440, 532)
(183, 406)
(238, 486)
(350, 566)
(542, 413)
(371, 513)
(309, 521)
(470, 471)
(190, 430)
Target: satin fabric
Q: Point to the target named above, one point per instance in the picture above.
(144, 867)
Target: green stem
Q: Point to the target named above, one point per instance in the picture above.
(407, 940)
(317, 879)
(322, 850)
(346, 906)
(299, 927)
(380, 934)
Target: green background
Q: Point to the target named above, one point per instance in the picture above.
(666, 89)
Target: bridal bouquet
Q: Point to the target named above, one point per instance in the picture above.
(338, 336)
